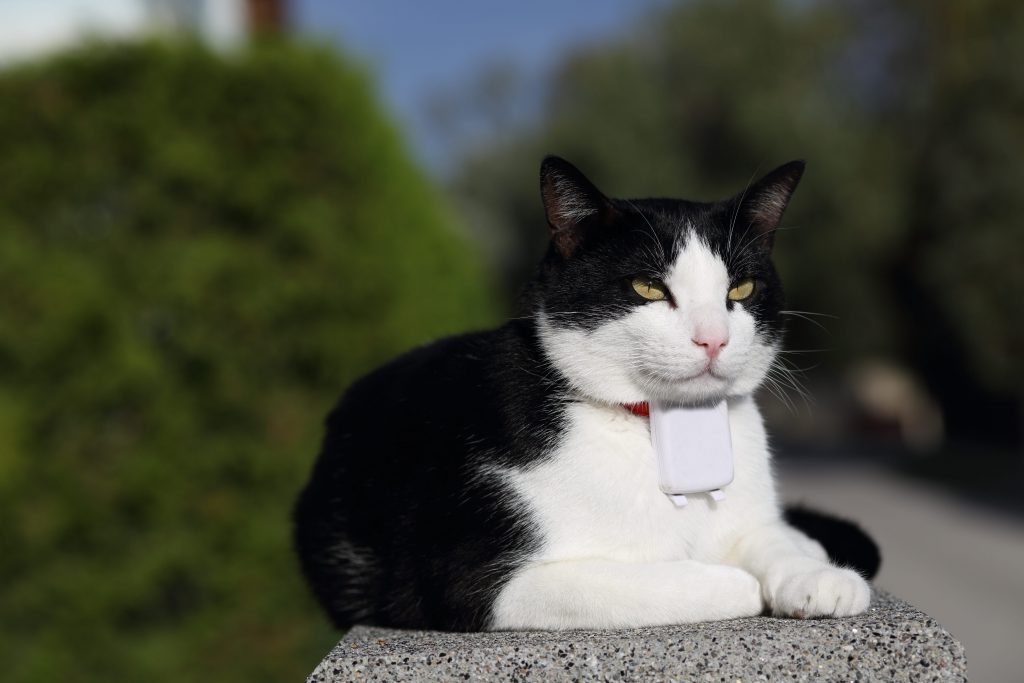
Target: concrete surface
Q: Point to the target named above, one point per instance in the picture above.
(960, 562)
(893, 641)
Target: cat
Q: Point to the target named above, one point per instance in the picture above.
(504, 480)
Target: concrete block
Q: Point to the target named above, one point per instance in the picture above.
(892, 641)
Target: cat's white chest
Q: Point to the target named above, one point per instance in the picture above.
(598, 495)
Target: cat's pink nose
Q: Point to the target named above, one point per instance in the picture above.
(713, 343)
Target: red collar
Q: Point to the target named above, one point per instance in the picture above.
(641, 409)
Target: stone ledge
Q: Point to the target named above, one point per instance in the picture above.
(892, 641)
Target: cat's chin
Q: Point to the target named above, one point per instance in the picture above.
(701, 390)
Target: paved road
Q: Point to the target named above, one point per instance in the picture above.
(961, 564)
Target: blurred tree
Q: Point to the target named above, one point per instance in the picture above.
(197, 253)
(906, 225)
(959, 272)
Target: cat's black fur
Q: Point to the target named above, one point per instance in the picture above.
(399, 524)
(845, 542)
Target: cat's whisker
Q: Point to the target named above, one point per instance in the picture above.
(776, 390)
(788, 375)
(822, 315)
(733, 254)
(758, 234)
(808, 318)
(803, 370)
(739, 205)
(654, 234)
(794, 351)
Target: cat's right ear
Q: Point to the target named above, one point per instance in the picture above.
(764, 202)
(571, 202)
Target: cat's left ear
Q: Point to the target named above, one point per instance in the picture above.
(764, 202)
(572, 204)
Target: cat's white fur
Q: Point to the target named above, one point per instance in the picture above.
(615, 551)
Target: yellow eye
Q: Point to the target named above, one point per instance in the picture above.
(741, 291)
(649, 289)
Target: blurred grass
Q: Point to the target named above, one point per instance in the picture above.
(197, 253)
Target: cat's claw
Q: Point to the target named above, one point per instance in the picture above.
(821, 592)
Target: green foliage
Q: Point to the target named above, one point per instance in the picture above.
(197, 253)
(906, 224)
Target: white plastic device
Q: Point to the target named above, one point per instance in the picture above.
(694, 449)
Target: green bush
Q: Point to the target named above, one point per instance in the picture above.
(197, 253)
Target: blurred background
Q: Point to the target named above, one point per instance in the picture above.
(214, 214)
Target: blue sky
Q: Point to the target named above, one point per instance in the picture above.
(417, 48)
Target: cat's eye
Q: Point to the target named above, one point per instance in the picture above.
(652, 290)
(742, 290)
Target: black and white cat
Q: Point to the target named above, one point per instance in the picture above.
(497, 480)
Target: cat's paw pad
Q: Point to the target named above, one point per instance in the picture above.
(824, 592)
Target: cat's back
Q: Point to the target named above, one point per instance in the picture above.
(433, 403)
(401, 422)
(401, 489)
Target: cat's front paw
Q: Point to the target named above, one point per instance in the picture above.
(738, 594)
(822, 591)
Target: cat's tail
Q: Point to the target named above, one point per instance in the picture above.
(845, 542)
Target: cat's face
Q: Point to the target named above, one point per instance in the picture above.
(661, 299)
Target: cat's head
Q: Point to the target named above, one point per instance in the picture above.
(664, 299)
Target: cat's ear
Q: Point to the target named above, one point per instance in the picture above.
(764, 202)
(571, 202)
